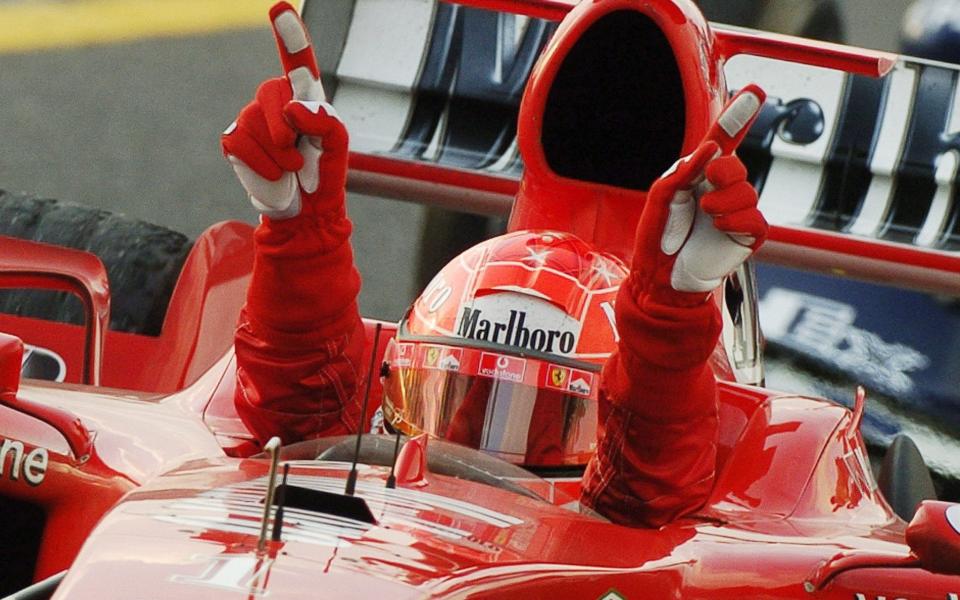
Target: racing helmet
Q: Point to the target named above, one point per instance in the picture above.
(502, 351)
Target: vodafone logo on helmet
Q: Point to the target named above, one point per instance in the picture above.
(521, 321)
(502, 367)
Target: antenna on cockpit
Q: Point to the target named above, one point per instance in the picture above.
(352, 477)
(272, 448)
(281, 501)
(392, 479)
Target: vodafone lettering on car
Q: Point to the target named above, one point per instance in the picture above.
(17, 462)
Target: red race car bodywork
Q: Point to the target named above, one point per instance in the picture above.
(134, 477)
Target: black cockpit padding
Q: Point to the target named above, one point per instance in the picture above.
(615, 113)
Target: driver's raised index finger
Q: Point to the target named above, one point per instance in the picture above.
(296, 52)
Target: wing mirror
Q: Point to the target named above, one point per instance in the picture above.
(11, 358)
(934, 536)
(26, 264)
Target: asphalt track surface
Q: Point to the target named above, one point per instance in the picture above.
(119, 104)
(133, 127)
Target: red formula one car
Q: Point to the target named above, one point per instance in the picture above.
(130, 475)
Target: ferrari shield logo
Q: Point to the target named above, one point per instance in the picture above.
(432, 357)
(557, 377)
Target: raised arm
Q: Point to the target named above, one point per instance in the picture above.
(300, 338)
(657, 453)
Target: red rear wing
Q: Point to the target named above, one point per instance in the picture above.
(854, 154)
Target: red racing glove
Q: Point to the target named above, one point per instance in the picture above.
(300, 338)
(701, 219)
(289, 147)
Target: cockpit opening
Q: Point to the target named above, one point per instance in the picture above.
(615, 113)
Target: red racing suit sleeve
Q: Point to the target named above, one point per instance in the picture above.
(658, 414)
(656, 457)
(300, 339)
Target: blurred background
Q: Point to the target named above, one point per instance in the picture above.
(118, 104)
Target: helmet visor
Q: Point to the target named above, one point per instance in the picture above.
(525, 411)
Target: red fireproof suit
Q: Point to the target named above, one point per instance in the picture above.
(300, 340)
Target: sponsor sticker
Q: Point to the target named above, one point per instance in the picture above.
(404, 356)
(516, 329)
(508, 368)
(570, 380)
(17, 461)
(431, 357)
(438, 357)
(825, 329)
(581, 382)
(558, 377)
(451, 359)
